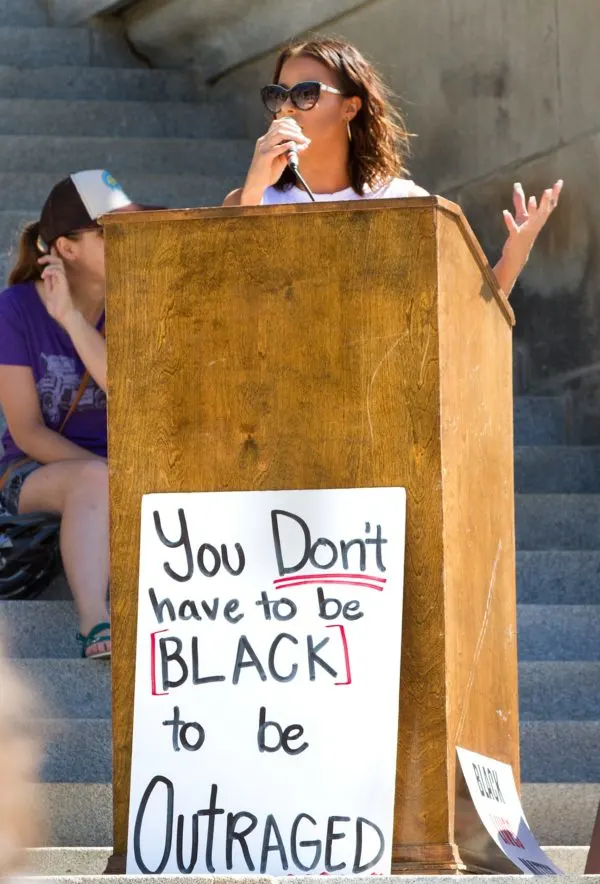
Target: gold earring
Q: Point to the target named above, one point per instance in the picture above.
(349, 130)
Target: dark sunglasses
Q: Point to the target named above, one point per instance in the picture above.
(303, 96)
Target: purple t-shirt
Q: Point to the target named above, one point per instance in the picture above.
(29, 336)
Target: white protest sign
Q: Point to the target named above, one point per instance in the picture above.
(267, 682)
(492, 787)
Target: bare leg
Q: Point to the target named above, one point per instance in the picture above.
(78, 490)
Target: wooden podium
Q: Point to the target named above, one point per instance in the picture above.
(329, 346)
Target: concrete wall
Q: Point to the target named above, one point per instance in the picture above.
(217, 35)
(74, 12)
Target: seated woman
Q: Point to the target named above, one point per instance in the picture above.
(331, 107)
(53, 357)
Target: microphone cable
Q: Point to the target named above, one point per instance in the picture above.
(293, 164)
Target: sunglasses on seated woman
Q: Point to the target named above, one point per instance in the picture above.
(303, 95)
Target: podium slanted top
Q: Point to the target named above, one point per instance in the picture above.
(436, 203)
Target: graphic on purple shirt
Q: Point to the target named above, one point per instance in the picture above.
(29, 336)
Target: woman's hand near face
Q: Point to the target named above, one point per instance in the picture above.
(270, 158)
(55, 292)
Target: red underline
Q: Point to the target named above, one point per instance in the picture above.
(328, 580)
(327, 576)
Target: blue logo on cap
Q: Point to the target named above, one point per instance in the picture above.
(110, 182)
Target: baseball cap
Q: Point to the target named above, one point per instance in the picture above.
(76, 203)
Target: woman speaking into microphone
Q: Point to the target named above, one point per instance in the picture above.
(333, 121)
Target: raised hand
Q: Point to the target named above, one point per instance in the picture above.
(55, 292)
(529, 218)
(523, 229)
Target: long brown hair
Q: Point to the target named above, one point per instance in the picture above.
(27, 268)
(379, 138)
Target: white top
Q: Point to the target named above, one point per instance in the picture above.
(395, 188)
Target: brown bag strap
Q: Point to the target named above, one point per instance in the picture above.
(85, 379)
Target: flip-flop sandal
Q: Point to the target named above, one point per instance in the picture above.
(96, 636)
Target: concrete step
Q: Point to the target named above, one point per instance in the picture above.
(564, 469)
(549, 690)
(269, 879)
(26, 194)
(41, 47)
(78, 861)
(23, 14)
(81, 814)
(571, 747)
(558, 577)
(545, 632)
(51, 861)
(559, 632)
(95, 83)
(77, 751)
(122, 119)
(60, 155)
(540, 420)
(71, 688)
(40, 629)
(67, 860)
(559, 691)
(78, 814)
(558, 521)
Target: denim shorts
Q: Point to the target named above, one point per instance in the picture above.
(10, 494)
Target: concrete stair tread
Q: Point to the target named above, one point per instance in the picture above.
(540, 420)
(50, 861)
(79, 751)
(546, 632)
(25, 13)
(558, 690)
(557, 521)
(558, 576)
(558, 632)
(571, 747)
(71, 688)
(40, 629)
(81, 813)
(123, 119)
(557, 469)
(549, 690)
(78, 814)
(40, 46)
(82, 82)
(76, 750)
(61, 154)
(25, 196)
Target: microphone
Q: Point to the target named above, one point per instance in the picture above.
(292, 158)
(293, 164)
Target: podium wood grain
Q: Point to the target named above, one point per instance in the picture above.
(336, 345)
